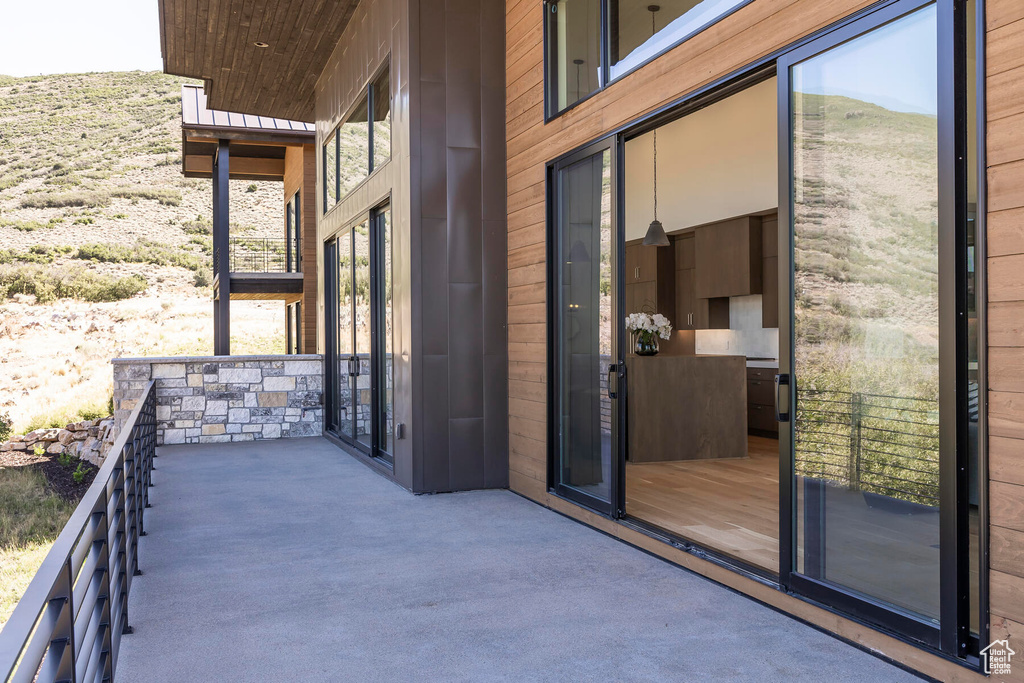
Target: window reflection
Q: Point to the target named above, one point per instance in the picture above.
(866, 329)
(354, 153)
(381, 119)
(641, 30)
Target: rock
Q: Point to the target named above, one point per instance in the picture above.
(80, 436)
(19, 446)
(65, 437)
(91, 444)
(6, 446)
(93, 431)
(41, 435)
(55, 448)
(17, 438)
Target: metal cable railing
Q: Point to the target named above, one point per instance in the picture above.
(263, 255)
(68, 624)
(870, 442)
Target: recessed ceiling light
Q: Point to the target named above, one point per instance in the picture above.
(260, 43)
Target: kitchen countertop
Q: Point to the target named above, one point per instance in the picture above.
(762, 363)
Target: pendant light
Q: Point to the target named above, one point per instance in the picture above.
(655, 236)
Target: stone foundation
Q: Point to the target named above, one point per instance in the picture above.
(225, 398)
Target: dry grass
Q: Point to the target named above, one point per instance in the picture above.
(30, 520)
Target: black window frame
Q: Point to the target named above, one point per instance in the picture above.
(366, 99)
(605, 79)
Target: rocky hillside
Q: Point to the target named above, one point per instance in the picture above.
(105, 247)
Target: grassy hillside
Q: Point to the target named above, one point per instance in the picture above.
(105, 247)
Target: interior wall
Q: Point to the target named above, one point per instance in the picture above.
(716, 163)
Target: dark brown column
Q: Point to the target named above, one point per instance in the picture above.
(221, 262)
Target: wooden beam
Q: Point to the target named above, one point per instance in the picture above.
(248, 166)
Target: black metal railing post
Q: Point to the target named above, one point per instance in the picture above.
(855, 421)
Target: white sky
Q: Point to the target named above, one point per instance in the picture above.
(74, 36)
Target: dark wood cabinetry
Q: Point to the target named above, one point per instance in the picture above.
(692, 312)
(770, 271)
(650, 280)
(734, 249)
(761, 402)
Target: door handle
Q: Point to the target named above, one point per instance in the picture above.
(611, 370)
(353, 366)
(780, 381)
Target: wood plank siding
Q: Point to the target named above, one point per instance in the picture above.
(300, 176)
(1005, 231)
(748, 34)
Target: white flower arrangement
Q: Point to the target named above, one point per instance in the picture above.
(646, 325)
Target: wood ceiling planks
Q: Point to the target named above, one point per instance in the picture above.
(214, 40)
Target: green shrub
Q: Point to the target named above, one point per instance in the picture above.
(6, 426)
(66, 460)
(67, 283)
(197, 227)
(24, 226)
(143, 251)
(56, 201)
(160, 194)
(79, 474)
(203, 277)
(84, 220)
(252, 187)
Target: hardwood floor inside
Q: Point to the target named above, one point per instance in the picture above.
(730, 505)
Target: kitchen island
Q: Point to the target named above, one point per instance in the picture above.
(691, 407)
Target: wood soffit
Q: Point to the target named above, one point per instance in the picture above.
(216, 41)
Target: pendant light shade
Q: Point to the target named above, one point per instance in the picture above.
(655, 232)
(656, 236)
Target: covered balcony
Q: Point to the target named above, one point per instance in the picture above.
(289, 559)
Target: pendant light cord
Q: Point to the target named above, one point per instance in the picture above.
(655, 174)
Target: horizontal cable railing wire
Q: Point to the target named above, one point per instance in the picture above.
(68, 624)
(870, 442)
(263, 255)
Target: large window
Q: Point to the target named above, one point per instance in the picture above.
(361, 144)
(634, 32)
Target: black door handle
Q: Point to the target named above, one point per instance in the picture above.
(780, 380)
(611, 370)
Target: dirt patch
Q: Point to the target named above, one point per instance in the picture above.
(60, 480)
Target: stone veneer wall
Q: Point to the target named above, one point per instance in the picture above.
(225, 398)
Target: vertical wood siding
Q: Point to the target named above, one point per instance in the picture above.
(1005, 159)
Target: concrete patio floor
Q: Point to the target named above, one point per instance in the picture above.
(290, 561)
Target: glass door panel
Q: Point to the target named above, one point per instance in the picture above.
(387, 319)
(586, 348)
(865, 355)
(362, 384)
(345, 366)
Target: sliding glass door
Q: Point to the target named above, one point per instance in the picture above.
(359, 339)
(587, 366)
(873, 517)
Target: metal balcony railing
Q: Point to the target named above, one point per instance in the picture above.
(69, 623)
(263, 255)
(888, 445)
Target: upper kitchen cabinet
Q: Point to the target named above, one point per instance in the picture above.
(733, 250)
(770, 271)
(650, 280)
(693, 313)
